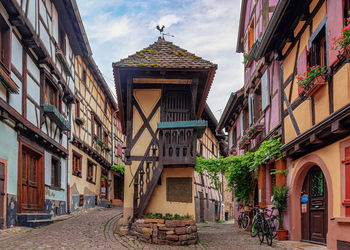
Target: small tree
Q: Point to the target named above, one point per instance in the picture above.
(280, 200)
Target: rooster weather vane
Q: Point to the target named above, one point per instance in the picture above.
(161, 31)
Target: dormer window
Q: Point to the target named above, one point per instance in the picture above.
(51, 95)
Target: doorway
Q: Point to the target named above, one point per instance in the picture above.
(201, 206)
(314, 212)
(118, 187)
(30, 179)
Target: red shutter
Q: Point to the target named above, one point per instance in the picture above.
(335, 23)
(302, 66)
(120, 150)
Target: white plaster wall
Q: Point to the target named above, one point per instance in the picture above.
(15, 100)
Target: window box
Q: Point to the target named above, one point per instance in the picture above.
(80, 121)
(99, 141)
(256, 130)
(6, 80)
(244, 142)
(52, 112)
(314, 85)
(62, 59)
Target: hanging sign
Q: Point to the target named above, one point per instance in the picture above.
(304, 198)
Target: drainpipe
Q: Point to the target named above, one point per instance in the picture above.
(219, 193)
(70, 140)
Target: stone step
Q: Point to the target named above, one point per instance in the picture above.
(33, 219)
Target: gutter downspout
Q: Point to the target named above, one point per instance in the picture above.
(110, 172)
(219, 193)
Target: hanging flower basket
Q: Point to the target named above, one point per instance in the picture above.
(233, 151)
(80, 121)
(316, 83)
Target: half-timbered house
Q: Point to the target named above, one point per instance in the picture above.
(161, 95)
(38, 44)
(97, 140)
(252, 114)
(315, 116)
(211, 203)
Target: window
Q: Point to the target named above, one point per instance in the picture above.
(272, 179)
(51, 94)
(346, 10)
(5, 39)
(233, 136)
(62, 40)
(90, 172)
(105, 140)
(76, 164)
(97, 129)
(265, 91)
(120, 149)
(83, 77)
(251, 34)
(318, 50)
(77, 109)
(55, 173)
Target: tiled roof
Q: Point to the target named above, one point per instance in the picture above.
(164, 54)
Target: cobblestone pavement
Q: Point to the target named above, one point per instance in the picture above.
(94, 230)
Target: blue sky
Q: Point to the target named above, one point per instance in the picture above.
(208, 28)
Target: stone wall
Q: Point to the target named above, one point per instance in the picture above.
(165, 232)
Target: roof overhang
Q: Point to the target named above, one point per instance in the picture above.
(205, 82)
(240, 37)
(281, 26)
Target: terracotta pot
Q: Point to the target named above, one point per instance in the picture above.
(282, 234)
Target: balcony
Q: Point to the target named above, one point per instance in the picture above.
(52, 112)
(178, 142)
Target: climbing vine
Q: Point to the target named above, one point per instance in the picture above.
(119, 169)
(241, 170)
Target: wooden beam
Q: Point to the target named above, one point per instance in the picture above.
(315, 140)
(298, 148)
(162, 81)
(337, 128)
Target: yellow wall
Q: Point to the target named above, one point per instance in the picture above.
(321, 104)
(158, 202)
(319, 17)
(341, 87)
(303, 116)
(331, 157)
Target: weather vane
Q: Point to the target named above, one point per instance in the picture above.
(161, 31)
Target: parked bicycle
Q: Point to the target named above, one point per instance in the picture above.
(244, 220)
(264, 225)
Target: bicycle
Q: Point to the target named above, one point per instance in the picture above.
(243, 220)
(262, 226)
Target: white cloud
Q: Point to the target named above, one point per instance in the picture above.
(208, 28)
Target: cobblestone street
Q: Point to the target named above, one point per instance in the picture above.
(94, 230)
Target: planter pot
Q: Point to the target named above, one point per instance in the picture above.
(79, 122)
(282, 234)
(316, 83)
(344, 53)
(256, 132)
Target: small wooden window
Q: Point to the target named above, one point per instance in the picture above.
(76, 164)
(179, 189)
(77, 109)
(51, 94)
(55, 173)
(105, 140)
(97, 128)
(83, 77)
(62, 39)
(346, 10)
(318, 50)
(5, 44)
(90, 172)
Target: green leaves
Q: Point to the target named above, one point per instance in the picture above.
(280, 200)
(119, 169)
(240, 170)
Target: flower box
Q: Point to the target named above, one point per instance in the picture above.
(233, 150)
(256, 129)
(80, 121)
(99, 141)
(244, 143)
(316, 83)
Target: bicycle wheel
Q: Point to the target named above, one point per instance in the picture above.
(260, 231)
(245, 221)
(274, 226)
(269, 235)
(253, 231)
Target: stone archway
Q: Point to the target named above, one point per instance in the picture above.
(297, 181)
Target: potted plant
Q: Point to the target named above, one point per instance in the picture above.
(254, 130)
(99, 141)
(80, 121)
(312, 80)
(233, 151)
(280, 200)
(342, 43)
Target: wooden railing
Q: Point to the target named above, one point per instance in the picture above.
(177, 146)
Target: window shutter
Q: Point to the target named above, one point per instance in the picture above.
(335, 23)
(256, 107)
(250, 108)
(302, 66)
(242, 123)
(120, 150)
(265, 100)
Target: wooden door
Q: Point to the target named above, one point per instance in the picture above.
(201, 207)
(2, 193)
(118, 187)
(315, 218)
(31, 182)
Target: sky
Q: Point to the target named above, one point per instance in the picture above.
(207, 28)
